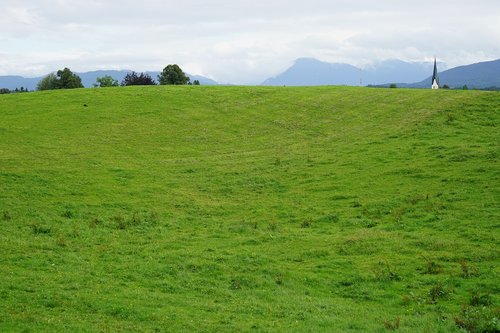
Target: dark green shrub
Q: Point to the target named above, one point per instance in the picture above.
(467, 270)
(384, 272)
(331, 217)
(120, 222)
(68, 214)
(235, 284)
(438, 291)
(39, 229)
(273, 226)
(392, 325)
(431, 267)
(136, 219)
(61, 241)
(478, 299)
(307, 223)
(6, 216)
(478, 320)
(152, 218)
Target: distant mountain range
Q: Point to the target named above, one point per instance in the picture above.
(480, 75)
(88, 79)
(312, 72)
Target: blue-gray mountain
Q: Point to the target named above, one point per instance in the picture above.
(481, 75)
(88, 79)
(312, 72)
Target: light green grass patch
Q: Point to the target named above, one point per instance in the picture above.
(249, 209)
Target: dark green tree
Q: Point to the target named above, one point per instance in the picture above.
(66, 79)
(49, 82)
(4, 91)
(63, 79)
(173, 74)
(196, 82)
(134, 79)
(106, 81)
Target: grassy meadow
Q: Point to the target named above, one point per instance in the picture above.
(249, 209)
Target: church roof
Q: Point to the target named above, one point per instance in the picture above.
(435, 74)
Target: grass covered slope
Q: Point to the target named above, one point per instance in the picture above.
(249, 209)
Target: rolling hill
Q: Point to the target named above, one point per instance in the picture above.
(236, 209)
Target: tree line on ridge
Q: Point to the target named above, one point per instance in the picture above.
(66, 79)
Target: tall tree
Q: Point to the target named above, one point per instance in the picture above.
(63, 79)
(49, 82)
(173, 74)
(68, 80)
(134, 79)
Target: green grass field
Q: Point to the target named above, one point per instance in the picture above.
(249, 209)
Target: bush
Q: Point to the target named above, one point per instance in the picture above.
(134, 79)
(307, 223)
(392, 325)
(6, 216)
(478, 299)
(431, 266)
(438, 291)
(478, 320)
(40, 229)
(68, 214)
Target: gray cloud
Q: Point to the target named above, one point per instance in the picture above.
(240, 41)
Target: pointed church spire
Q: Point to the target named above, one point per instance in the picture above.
(435, 79)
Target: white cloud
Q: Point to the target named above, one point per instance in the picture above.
(240, 41)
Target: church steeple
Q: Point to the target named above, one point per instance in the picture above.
(435, 79)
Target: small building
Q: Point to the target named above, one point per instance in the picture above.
(435, 79)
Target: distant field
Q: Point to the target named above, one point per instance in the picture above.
(249, 209)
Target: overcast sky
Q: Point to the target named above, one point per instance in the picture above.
(240, 41)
